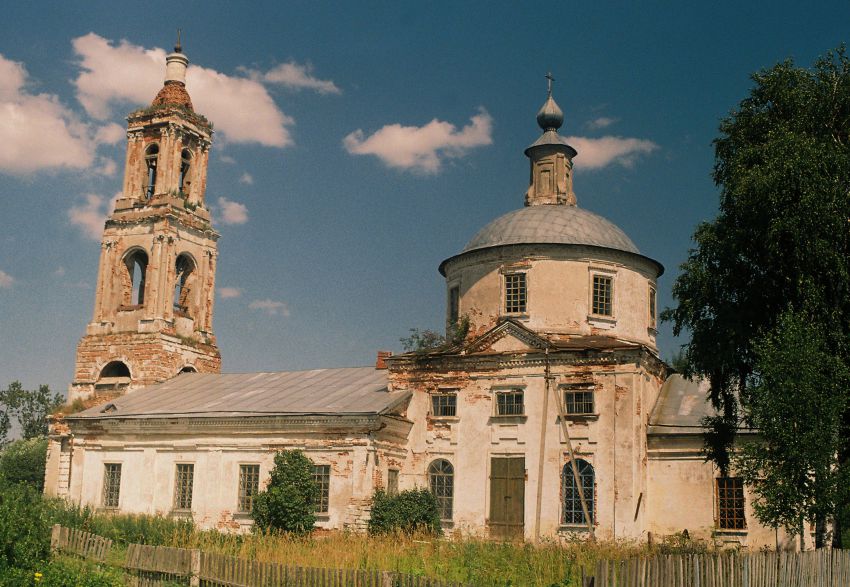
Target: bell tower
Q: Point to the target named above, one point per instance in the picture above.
(153, 305)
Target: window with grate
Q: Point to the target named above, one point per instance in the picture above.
(441, 480)
(730, 503)
(444, 404)
(249, 486)
(111, 484)
(653, 317)
(392, 482)
(578, 402)
(454, 304)
(515, 293)
(602, 295)
(510, 403)
(183, 482)
(322, 478)
(572, 510)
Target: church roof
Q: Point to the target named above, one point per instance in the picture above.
(173, 94)
(568, 225)
(345, 391)
(680, 407)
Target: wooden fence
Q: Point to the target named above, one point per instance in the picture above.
(157, 566)
(80, 543)
(820, 568)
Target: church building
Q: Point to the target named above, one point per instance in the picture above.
(548, 412)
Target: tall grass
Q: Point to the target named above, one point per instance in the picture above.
(463, 559)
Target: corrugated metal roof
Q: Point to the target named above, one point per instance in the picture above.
(353, 390)
(680, 407)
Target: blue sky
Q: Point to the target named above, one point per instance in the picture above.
(357, 146)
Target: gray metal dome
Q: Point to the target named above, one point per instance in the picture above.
(568, 225)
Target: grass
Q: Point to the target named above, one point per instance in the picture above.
(465, 559)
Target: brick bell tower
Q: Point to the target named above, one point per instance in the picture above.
(153, 305)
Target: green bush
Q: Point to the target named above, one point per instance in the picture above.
(23, 461)
(414, 510)
(71, 572)
(24, 530)
(289, 501)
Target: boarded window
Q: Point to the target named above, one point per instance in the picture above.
(730, 503)
(572, 510)
(183, 481)
(249, 486)
(602, 295)
(392, 482)
(441, 480)
(444, 404)
(322, 478)
(111, 485)
(510, 403)
(515, 293)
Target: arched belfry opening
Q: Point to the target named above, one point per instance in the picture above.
(151, 161)
(136, 268)
(114, 377)
(185, 166)
(184, 281)
(188, 369)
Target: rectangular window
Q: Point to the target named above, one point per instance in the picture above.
(602, 290)
(653, 318)
(322, 478)
(730, 503)
(444, 404)
(510, 403)
(392, 482)
(454, 305)
(515, 293)
(249, 486)
(111, 484)
(578, 402)
(183, 482)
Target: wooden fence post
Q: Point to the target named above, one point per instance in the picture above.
(195, 577)
(386, 579)
(55, 533)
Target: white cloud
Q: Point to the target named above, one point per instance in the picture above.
(229, 292)
(601, 122)
(297, 77)
(110, 134)
(36, 130)
(90, 216)
(422, 148)
(247, 179)
(231, 212)
(123, 73)
(227, 159)
(604, 151)
(106, 166)
(6, 280)
(270, 307)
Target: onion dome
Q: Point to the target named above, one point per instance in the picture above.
(550, 116)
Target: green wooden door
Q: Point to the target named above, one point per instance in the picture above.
(507, 497)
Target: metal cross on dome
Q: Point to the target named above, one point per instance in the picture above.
(549, 81)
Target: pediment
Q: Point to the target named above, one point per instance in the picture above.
(507, 337)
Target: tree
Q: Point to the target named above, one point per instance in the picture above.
(23, 461)
(29, 407)
(795, 401)
(780, 241)
(289, 501)
(421, 341)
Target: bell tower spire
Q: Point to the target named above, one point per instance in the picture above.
(551, 158)
(153, 305)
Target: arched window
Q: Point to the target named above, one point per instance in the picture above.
(115, 376)
(573, 513)
(441, 478)
(185, 164)
(151, 158)
(188, 369)
(136, 263)
(184, 278)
